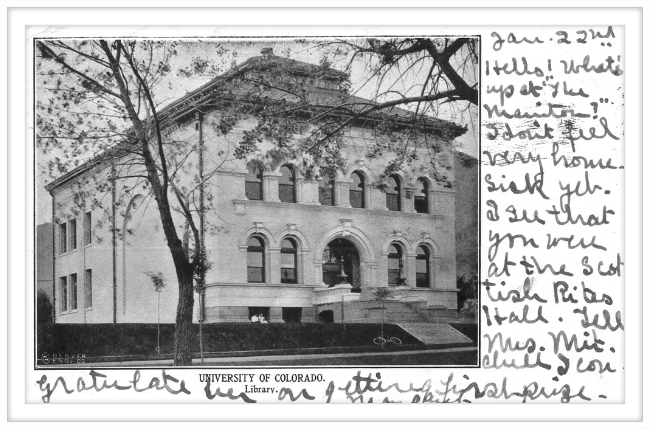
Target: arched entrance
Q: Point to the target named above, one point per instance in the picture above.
(326, 316)
(341, 264)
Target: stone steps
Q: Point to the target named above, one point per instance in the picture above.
(397, 311)
(435, 333)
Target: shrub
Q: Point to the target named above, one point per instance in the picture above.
(44, 309)
(122, 339)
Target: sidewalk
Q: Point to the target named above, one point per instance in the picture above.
(342, 359)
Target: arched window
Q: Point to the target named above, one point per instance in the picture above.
(254, 182)
(395, 265)
(357, 191)
(287, 185)
(421, 196)
(422, 267)
(255, 259)
(288, 261)
(393, 194)
(326, 191)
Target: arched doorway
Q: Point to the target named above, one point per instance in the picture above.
(341, 264)
(326, 316)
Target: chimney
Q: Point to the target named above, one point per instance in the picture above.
(267, 52)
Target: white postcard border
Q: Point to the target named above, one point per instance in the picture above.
(21, 235)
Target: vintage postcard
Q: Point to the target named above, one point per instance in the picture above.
(262, 202)
(238, 215)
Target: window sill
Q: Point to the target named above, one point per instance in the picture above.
(321, 207)
(69, 252)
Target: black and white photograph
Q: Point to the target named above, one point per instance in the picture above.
(256, 202)
(324, 205)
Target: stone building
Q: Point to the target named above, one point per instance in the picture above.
(284, 243)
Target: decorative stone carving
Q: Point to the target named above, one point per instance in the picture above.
(346, 224)
(240, 207)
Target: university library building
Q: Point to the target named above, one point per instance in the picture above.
(285, 245)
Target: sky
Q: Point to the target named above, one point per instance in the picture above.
(224, 53)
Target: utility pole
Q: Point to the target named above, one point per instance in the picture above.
(201, 279)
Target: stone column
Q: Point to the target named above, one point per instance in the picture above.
(271, 193)
(371, 279)
(342, 193)
(275, 315)
(318, 272)
(368, 192)
(273, 259)
(410, 270)
(430, 200)
(408, 201)
(299, 182)
(435, 272)
(310, 192)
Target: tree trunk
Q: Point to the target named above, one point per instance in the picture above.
(183, 333)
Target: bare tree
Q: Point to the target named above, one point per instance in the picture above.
(98, 96)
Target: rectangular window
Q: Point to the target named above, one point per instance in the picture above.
(392, 202)
(88, 287)
(286, 193)
(73, 234)
(422, 280)
(393, 271)
(253, 190)
(356, 199)
(63, 238)
(291, 314)
(73, 291)
(421, 273)
(326, 196)
(288, 268)
(255, 267)
(259, 314)
(421, 205)
(88, 238)
(63, 288)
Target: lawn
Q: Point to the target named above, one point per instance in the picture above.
(139, 341)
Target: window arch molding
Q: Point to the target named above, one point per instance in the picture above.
(260, 231)
(407, 248)
(297, 172)
(359, 168)
(427, 242)
(298, 236)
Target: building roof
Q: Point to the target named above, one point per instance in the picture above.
(324, 83)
